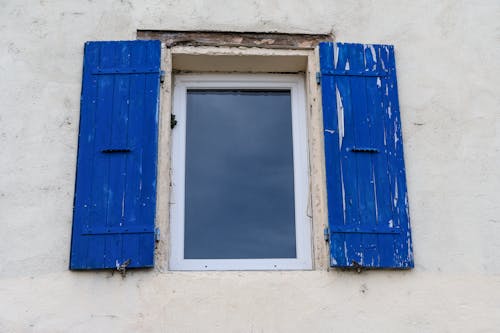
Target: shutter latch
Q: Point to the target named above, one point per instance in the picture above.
(364, 150)
(173, 121)
(115, 150)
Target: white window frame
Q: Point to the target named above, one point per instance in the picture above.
(296, 84)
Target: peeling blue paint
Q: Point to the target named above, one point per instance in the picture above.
(368, 220)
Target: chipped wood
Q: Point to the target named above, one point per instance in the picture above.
(236, 39)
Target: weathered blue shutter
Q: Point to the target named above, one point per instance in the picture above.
(115, 193)
(366, 186)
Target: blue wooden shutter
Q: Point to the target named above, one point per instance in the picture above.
(366, 186)
(115, 193)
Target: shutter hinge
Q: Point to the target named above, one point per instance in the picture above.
(173, 121)
(122, 268)
(157, 234)
(162, 76)
(326, 234)
(318, 78)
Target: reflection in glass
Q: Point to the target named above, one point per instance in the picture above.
(239, 199)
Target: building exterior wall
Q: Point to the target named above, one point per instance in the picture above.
(448, 74)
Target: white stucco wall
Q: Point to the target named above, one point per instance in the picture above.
(449, 74)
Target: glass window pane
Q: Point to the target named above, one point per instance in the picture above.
(239, 191)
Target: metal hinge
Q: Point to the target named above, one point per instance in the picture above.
(157, 234)
(318, 78)
(326, 234)
(162, 76)
(122, 268)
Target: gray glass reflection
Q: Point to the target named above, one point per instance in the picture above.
(239, 175)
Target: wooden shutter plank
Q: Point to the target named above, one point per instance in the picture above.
(82, 201)
(403, 247)
(385, 169)
(364, 134)
(136, 117)
(119, 138)
(372, 108)
(361, 133)
(348, 172)
(148, 177)
(332, 154)
(117, 165)
(134, 162)
(380, 169)
(101, 248)
(96, 246)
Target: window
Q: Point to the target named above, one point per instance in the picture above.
(239, 173)
(240, 163)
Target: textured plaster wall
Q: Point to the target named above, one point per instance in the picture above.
(449, 74)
